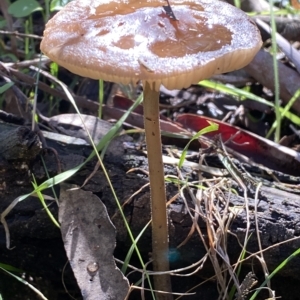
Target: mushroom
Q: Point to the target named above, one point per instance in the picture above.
(125, 41)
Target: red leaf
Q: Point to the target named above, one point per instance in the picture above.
(257, 148)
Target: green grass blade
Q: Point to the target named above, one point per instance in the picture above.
(129, 254)
(212, 127)
(285, 111)
(10, 268)
(26, 283)
(131, 249)
(276, 74)
(233, 91)
(5, 87)
(282, 265)
(101, 97)
(242, 94)
(42, 199)
(67, 174)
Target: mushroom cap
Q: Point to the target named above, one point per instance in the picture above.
(130, 40)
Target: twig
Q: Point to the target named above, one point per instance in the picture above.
(261, 68)
(18, 34)
(291, 53)
(9, 22)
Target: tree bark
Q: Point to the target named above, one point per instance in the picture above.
(37, 243)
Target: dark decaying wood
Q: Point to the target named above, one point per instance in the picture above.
(38, 247)
(19, 143)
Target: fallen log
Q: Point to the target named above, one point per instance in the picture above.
(37, 246)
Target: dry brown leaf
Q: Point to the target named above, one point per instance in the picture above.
(89, 239)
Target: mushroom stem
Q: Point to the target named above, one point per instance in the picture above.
(160, 243)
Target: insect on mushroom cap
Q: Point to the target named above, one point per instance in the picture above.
(130, 40)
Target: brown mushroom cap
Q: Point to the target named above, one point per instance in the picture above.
(129, 40)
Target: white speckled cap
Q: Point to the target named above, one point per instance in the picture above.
(129, 40)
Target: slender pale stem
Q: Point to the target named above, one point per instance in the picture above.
(160, 242)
